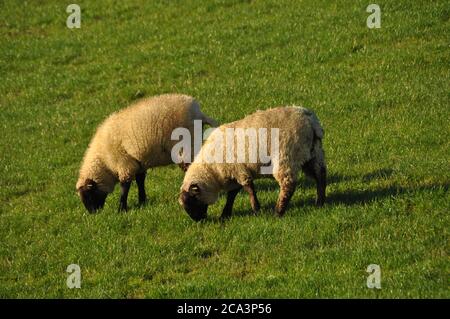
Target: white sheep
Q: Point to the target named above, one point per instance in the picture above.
(129, 142)
(299, 148)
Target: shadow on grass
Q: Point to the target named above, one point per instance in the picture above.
(350, 197)
(383, 173)
(270, 185)
(356, 197)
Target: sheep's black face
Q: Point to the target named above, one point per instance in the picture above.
(91, 196)
(195, 208)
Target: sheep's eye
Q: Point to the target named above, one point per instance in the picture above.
(194, 189)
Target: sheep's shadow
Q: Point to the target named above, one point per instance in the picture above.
(366, 196)
(269, 185)
(358, 197)
(382, 173)
(350, 197)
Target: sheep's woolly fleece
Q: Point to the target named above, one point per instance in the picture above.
(137, 138)
(300, 135)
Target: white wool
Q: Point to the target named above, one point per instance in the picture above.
(137, 138)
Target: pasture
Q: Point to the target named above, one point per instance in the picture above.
(382, 96)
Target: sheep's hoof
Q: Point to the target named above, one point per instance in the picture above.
(320, 203)
(225, 216)
(224, 219)
(278, 213)
(122, 208)
(142, 202)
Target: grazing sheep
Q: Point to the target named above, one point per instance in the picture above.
(129, 142)
(299, 148)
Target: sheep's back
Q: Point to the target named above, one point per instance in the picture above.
(296, 136)
(143, 130)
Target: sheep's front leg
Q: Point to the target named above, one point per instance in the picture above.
(124, 189)
(250, 189)
(140, 180)
(287, 189)
(227, 210)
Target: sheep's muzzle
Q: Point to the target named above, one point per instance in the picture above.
(194, 207)
(92, 199)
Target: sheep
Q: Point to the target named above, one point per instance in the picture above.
(129, 142)
(299, 148)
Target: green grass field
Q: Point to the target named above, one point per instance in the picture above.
(382, 96)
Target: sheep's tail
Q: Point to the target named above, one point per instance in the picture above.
(198, 114)
(316, 166)
(318, 136)
(317, 128)
(314, 121)
(318, 133)
(211, 122)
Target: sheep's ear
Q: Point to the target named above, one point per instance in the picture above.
(183, 165)
(194, 189)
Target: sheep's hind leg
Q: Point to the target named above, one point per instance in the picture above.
(321, 186)
(287, 189)
(250, 189)
(319, 173)
(140, 181)
(227, 210)
(124, 189)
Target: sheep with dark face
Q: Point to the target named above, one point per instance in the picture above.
(299, 148)
(129, 142)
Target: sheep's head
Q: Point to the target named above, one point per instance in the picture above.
(192, 202)
(92, 197)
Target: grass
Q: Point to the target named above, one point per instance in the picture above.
(381, 94)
